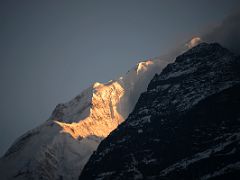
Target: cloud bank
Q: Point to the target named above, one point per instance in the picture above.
(227, 33)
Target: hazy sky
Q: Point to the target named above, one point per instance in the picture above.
(51, 50)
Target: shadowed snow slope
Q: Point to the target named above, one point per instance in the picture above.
(60, 147)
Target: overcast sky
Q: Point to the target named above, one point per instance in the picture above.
(51, 50)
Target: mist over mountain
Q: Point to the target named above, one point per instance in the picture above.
(227, 32)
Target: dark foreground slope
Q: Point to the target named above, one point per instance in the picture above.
(186, 126)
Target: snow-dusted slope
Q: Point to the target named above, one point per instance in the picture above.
(60, 147)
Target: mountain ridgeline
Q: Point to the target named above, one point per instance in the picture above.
(185, 126)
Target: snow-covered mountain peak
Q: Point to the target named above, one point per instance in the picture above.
(60, 147)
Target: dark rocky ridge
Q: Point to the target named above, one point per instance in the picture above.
(186, 126)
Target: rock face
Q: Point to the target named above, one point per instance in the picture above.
(185, 126)
(60, 147)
